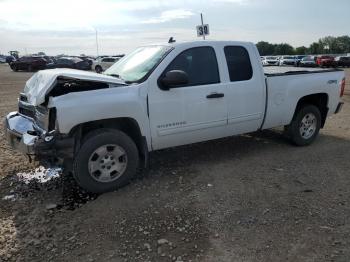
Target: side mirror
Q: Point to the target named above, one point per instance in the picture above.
(173, 79)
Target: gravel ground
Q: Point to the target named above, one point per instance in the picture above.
(246, 198)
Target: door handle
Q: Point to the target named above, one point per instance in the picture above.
(215, 95)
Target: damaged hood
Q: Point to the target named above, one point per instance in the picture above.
(43, 81)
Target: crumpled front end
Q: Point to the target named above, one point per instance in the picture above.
(34, 129)
(21, 133)
(25, 136)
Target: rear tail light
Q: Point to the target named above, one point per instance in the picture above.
(342, 87)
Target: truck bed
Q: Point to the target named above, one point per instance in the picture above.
(286, 85)
(291, 70)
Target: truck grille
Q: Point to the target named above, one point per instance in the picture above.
(24, 107)
(26, 112)
(39, 114)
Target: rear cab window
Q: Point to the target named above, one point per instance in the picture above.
(238, 63)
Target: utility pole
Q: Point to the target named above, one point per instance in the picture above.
(202, 26)
(96, 42)
(202, 29)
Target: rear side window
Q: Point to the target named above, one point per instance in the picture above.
(199, 63)
(238, 63)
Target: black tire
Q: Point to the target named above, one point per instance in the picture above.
(98, 69)
(92, 142)
(14, 68)
(293, 130)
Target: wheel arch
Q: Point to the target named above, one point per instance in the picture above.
(320, 100)
(125, 124)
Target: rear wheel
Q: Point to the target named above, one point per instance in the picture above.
(107, 160)
(305, 125)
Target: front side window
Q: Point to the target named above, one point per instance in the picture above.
(238, 63)
(199, 63)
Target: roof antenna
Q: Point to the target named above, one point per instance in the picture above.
(171, 40)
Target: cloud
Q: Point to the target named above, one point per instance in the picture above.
(74, 14)
(169, 15)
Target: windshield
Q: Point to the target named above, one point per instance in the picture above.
(288, 57)
(135, 66)
(308, 59)
(271, 58)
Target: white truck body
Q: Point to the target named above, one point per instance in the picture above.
(179, 116)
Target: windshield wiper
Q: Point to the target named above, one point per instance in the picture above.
(116, 75)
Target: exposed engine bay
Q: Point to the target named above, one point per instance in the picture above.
(68, 85)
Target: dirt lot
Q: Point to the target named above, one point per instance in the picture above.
(247, 198)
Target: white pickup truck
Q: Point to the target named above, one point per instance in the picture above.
(101, 128)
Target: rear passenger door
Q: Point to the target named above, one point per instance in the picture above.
(245, 89)
(193, 112)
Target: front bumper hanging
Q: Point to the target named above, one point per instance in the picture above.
(26, 137)
(21, 133)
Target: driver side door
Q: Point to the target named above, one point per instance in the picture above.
(192, 112)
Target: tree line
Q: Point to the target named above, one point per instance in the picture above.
(325, 45)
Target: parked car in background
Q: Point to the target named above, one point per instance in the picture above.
(308, 61)
(88, 59)
(325, 61)
(270, 60)
(49, 59)
(70, 62)
(298, 59)
(342, 61)
(104, 63)
(2, 59)
(28, 63)
(287, 60)
(10, 59)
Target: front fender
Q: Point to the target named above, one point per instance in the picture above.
(80, 107)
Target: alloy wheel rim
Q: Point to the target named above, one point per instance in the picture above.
(107, 163)
(308, 126)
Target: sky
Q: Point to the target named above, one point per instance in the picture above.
(69, 26)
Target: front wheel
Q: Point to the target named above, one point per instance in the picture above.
(107, 160)
(305, 125)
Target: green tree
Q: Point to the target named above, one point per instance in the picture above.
(315, 48)
(283, 49)
(301, 50)
(335, 45)
(343, 43)
(328, 44)
(265, 48)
